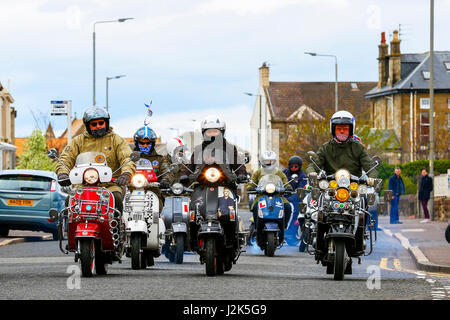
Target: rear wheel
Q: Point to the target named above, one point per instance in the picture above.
(179, 248)
(136, 255)
(87, 257)
(210, 257)
(270, 249)
(340, 259)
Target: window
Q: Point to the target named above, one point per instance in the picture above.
(447, 65)
(424, 130)
(448, 102)
(354, 86)
(426, 75)
(424, 103)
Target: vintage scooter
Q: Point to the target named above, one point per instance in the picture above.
(95, 227)
(144, 227)
(270, 211)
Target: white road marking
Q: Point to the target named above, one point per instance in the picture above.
(404, 241)
(412, 230)
(36, 260)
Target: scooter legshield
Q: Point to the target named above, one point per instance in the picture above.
(271, 207)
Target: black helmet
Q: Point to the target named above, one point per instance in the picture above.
(94, 113)
(295, 160)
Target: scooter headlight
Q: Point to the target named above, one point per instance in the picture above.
(342, 194)
(138, 181)
(177, 188)
(362, 189)
(270, 188)
(323, 184)
(212, 174)
(90, 176)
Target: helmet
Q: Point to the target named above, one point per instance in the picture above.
(94, 113)
(174, 146)
(145, 133)
(268, 156)
(342, 117)
(213, 122)
(295, 160)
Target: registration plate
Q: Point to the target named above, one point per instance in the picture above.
(20, 202)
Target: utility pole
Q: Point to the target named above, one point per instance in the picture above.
(431, 135)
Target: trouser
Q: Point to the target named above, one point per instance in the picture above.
(425, 208)
(394, 209)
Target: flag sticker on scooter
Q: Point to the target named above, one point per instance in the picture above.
(185, 207)
(262, 204)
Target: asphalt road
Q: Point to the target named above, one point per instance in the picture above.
(36, 269)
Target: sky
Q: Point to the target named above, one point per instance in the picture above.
(192, 58)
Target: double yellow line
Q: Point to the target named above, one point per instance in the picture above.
(398, 267)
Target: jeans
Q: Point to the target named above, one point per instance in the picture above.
(425, 208)
(394, 209)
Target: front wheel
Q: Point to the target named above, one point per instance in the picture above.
(340, 259)
(179, 248)
(136, 254)
(87, 257)
(210, 257)
(271, 246)
(447, 233)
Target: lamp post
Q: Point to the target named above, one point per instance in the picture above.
(336, 76)
(107, 80)
(93, 50)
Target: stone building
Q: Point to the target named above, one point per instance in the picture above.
(401, 100)
(7, 135)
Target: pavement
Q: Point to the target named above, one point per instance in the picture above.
(425, 242)
(18, 236)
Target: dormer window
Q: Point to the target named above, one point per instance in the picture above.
(354, 86)
(447, 65)
(426, 75)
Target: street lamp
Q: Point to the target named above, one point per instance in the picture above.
(107, 80)
(93, 49)
(336, 73)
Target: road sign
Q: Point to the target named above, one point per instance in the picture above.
(59, 108)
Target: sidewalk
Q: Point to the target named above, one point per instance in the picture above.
(17, 236)
(425, 241)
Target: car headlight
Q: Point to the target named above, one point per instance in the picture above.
(177, 188)
(362, 189)
(138, 181)
(212, 174)
(323, 184)
(270, 188)
(90, 176)
(342, 194)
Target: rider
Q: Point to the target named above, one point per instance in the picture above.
(269, 165)
(99, 137)
(295, 167)
(144, 143)
(178, 154)
(342, 151)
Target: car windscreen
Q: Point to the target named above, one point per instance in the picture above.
(25, 183)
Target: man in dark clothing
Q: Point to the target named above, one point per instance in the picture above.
(398, 188)
(425, 188)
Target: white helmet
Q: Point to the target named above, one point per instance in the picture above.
(213, 122)
(174, 146)
(342, 117)
(265, 157)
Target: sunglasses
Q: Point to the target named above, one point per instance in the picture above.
(94, 124)
(294, 166)
(143, 143)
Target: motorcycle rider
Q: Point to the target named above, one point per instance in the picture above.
(178, 154)
(269, 165)
(343, 152)
(144, 143)
(99, 137)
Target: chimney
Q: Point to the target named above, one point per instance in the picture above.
(383, 61)
(264, 75)
(395, 60)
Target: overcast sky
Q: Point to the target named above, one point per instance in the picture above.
(193, 58)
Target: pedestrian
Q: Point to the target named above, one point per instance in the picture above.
(398, 188)
(425, 188)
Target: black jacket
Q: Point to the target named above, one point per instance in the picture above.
(425, 188)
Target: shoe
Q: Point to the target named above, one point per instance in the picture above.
(425, 221)
(396, 222)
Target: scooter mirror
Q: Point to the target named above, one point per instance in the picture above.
(295, 177)
(52, 153)
(312, 178)
(53, 213)
(380, 208)
(388, 195)
(312, 154)
(301, 194)
(135, 156)
(378, 184)
(173, 168)
(315, 193)
(371, 198)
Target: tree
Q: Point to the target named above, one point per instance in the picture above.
(35, 156)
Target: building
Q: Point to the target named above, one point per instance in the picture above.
(7, 135)
(400, 101)
(280, 105)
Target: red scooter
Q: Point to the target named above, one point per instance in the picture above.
(95, 228)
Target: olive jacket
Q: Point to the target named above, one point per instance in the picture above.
(258, 174)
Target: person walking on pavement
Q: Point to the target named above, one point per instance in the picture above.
(398, 188)
(425, 188)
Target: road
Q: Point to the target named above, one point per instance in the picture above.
(36, 269)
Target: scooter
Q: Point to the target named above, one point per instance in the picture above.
(95, 227)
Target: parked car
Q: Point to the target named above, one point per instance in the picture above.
(25, 199)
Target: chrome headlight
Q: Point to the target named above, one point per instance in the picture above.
(270, 188)
(90, 176)
(323, 184)
(177, 188)
(343, 178)
(362, 189)
(212, 174)
(138, 181)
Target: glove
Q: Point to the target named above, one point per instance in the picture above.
(184, 179)
(124, 179)
(63, 179)
(164, 184)
(370, 181)
(242, 178)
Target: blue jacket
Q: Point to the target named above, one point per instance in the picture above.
(396, 185)
(302, 179)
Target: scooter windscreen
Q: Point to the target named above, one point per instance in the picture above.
(270, 182)
(91, 158)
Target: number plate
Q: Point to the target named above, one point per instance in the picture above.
(20, 202)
